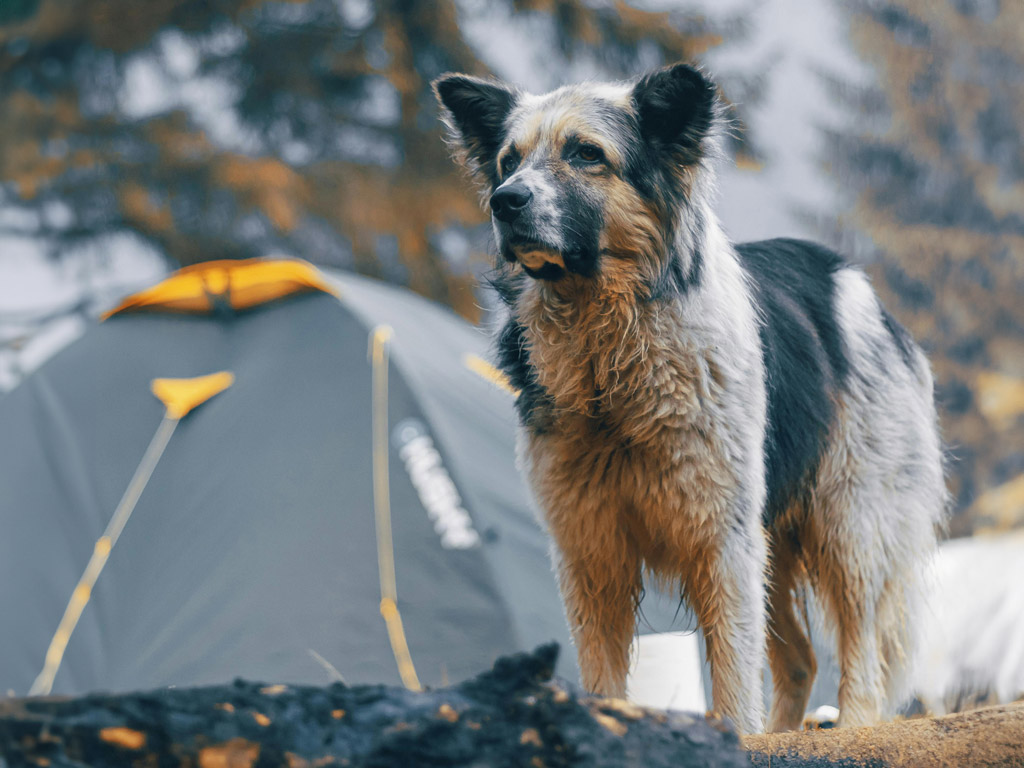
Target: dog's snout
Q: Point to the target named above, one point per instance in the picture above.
(509, 201)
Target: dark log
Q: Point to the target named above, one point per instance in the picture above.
(514, 715)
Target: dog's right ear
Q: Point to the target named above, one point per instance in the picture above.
(474, 111)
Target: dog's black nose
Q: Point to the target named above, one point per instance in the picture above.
(508, 201)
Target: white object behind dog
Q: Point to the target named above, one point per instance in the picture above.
(972, 641)
(971, 646)
(666, 672)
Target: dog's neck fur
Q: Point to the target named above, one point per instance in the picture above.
(605, 349)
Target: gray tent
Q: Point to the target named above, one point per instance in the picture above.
(342, 500)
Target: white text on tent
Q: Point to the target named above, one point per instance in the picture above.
(438, 494)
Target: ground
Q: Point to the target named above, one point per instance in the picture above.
(514, 715)
(993, 736)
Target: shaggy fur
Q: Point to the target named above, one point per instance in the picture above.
(740, 421)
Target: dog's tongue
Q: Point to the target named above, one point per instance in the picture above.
(535, 259)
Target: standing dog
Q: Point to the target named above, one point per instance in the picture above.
(740, 421)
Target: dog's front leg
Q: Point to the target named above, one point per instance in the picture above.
(728, 592)
(600, 598)
(600, 579)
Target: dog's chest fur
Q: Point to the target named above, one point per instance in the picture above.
(634, 407)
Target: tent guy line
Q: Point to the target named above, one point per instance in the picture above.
(180, 397)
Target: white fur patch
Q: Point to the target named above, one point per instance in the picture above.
(545, 215)
(881, 498)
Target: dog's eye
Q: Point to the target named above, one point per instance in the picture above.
(588, 153)
(508, 163)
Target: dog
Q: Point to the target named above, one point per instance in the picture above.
(742, 422)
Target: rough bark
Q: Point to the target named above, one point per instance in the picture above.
(514, 715)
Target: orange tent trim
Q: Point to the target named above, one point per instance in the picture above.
(240, 284)
(180, 396)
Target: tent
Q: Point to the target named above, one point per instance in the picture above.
(259, 469)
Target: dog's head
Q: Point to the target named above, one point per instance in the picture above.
(585, 174)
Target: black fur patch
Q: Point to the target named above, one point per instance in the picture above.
(582, 222)
(806, 361)
(548, 271)
(533, 402)
(506, 284)
(675, 107)
(676, 279)
(901, 337)
(696, 271)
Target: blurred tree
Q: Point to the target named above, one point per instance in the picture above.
(235, 128)
(934, 163)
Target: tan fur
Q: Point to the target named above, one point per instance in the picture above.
(790, 653)
(632, 235)
(631, 426)
(553, 127)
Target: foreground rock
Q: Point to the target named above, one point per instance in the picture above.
(513, 715)
(985, 738)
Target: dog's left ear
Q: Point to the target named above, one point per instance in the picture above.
(474, 111)
(675, 108)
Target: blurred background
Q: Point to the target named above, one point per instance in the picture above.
(139, 137)
(142, 136)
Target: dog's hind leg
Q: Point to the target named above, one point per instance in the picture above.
(852, 571)
(790, 654)
(726, 588)
(876, 607)
(873, 541)
(852, 600)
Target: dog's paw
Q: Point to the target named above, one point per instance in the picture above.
(824, 716)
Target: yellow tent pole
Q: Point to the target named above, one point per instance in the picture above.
(179, 396)
(485, 370)
(380, 338)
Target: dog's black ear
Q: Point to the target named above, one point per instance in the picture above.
(676, 108)
(474, 111)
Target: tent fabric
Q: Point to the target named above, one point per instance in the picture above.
(251, 551)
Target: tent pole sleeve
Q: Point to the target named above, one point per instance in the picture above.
(101, 551)
(380, 339)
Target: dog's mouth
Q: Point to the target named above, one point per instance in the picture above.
(538, 260)
(537, 256)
